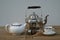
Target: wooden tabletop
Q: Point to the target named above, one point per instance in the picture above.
(6, 36)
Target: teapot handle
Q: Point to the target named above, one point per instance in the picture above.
(7, 27)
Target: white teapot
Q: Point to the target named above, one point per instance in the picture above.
(49, 30)
(15, 28)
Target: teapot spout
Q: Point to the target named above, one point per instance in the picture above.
(45, 21)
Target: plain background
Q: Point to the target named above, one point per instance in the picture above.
(15, 10)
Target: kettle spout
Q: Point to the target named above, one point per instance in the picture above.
(45, 21)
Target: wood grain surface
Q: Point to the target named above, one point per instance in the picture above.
(6, 36)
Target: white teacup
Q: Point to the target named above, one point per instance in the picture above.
(48, 30)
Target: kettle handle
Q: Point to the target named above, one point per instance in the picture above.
(7, 27)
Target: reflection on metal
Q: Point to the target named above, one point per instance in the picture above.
(33, 18)
(34, 21)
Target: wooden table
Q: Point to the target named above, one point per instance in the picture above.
(6, 36)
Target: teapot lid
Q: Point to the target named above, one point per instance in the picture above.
(16, 24)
